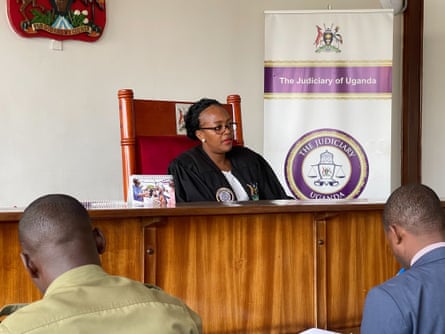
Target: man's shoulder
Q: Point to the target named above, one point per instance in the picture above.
(22, 317)
(112, 296)
(396, 284)
(420, 282)
(10, 308)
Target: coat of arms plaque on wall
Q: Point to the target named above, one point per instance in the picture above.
(58, 19)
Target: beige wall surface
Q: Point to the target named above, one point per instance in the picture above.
(59, 125)
(433, 134)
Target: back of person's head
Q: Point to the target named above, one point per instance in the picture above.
(415, 207)
(54, 219)
(56, 235)
(191, 119)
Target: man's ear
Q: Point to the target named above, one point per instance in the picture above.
(397, 233)
(30, 266)
(100, 240)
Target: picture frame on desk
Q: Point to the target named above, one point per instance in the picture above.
(151, 191)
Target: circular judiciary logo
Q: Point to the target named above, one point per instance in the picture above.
(326, 164)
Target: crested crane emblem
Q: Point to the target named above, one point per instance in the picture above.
(328, 39)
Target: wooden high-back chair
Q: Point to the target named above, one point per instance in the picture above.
(150, 133)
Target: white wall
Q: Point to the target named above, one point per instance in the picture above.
(433, 134)
(59, 125)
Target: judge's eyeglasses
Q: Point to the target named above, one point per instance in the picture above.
(220, 129)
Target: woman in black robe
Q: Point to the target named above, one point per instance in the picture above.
(217, 170)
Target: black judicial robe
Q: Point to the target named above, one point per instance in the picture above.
(197, 178)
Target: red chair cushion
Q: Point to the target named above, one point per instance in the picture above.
(154, 153)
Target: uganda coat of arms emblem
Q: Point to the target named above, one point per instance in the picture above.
(58, 19)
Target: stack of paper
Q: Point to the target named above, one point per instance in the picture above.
(317, 331)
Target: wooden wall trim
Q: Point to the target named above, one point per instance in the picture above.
(412, 91)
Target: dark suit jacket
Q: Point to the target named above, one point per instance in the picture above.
(412, 302)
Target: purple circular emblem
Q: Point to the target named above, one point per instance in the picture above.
(224, 194)
(326, 164)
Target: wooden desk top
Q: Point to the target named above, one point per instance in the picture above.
(102, 210)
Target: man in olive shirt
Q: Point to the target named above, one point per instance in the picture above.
(60, 250)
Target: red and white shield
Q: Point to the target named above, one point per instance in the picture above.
(58, 19)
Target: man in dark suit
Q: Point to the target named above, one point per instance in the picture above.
(413, 301)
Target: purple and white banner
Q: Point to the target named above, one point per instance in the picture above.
(327, 102)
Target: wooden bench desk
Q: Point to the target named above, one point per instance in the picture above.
(253, 267)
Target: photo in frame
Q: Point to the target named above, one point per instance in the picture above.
(151, 191)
